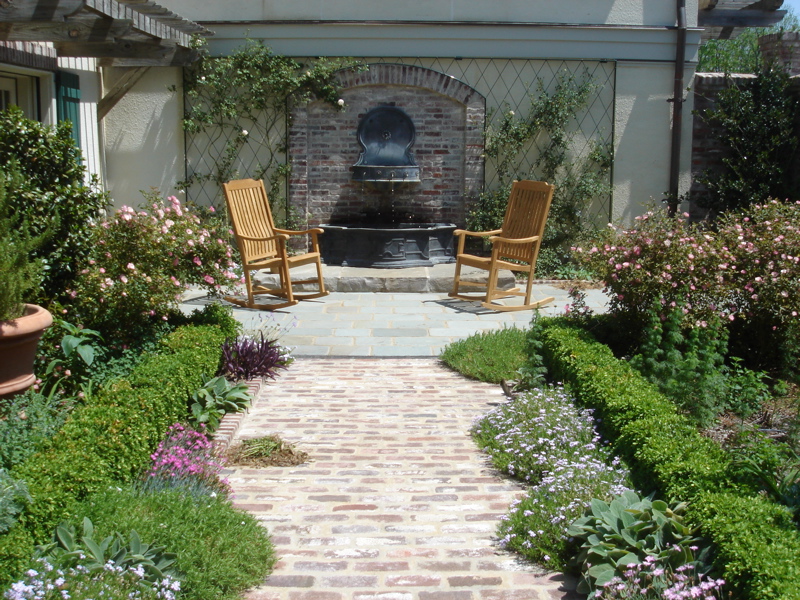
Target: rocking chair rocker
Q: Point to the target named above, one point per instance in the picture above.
(514, 247)
(263, 246)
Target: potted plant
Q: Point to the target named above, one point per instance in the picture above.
(21, 325)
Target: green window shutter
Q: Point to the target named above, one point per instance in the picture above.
(68, 100)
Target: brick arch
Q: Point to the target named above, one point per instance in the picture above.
(399, 74)
(449, 118)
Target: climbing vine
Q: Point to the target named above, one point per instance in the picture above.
(237, 109)
(578, 177)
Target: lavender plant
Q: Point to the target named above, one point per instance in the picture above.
(542, 438)
(247, 357)
(185, 460)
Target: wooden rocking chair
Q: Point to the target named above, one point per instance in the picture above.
(263, 246)
(514, 247)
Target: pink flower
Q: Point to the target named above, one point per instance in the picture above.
(131, 266)
(123, 279)
(209, 279)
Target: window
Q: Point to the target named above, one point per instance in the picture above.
(20, 90)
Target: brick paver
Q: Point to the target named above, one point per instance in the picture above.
(397, 503)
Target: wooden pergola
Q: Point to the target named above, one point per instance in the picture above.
(721, 18)
(118, 33)
(135, 34)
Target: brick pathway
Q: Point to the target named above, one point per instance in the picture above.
(397, 503)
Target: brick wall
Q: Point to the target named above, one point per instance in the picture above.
(449, 119)
(707, 151)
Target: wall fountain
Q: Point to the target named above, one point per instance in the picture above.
(389, 173)
(385, 237)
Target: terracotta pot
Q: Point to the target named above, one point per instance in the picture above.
(19, 339)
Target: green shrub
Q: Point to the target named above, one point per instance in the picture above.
(13, 497)
(754, 120)
(755, 541)
(26, 422)
(20, 271)
(221, 550)
(757, 545)
(52, 196)
(685, 363)
(109, 440)
(491, 356)
(664, 450)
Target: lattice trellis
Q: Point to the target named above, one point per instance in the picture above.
(507, 85)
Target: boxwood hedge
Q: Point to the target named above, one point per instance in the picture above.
(757, 545)
(108, 440)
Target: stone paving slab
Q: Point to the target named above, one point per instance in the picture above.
(367, 323)
(397, 503)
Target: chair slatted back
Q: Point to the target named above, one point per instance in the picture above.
(526, 216)
(251, 216)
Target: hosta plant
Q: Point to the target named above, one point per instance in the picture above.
(67, 550)
(216, 398)
(248, 357)
(626, 531)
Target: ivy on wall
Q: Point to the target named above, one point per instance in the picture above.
(578, 167)
(238, 105)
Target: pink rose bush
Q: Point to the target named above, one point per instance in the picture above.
(743, 269)
(144, 260)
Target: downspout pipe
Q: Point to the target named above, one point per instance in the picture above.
(677, 109)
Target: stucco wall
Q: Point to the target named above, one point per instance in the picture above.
(144, 143)
(643, 125)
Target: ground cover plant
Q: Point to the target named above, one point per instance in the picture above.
(542, 439)
(491, 357)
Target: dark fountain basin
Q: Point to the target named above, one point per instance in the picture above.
(387, 246)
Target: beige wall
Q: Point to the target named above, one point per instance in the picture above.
(144, 143)
(643, 124)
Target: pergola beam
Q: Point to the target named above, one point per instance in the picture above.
(20, 11)
(79, 28)
(721, 17)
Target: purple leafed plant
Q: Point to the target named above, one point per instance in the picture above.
(246, 358)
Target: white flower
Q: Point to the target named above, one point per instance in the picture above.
(340, 102)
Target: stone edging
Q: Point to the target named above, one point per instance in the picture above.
(230, 423)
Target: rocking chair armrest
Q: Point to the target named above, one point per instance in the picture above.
(527, 240)
(316, 230)
(459, 232)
